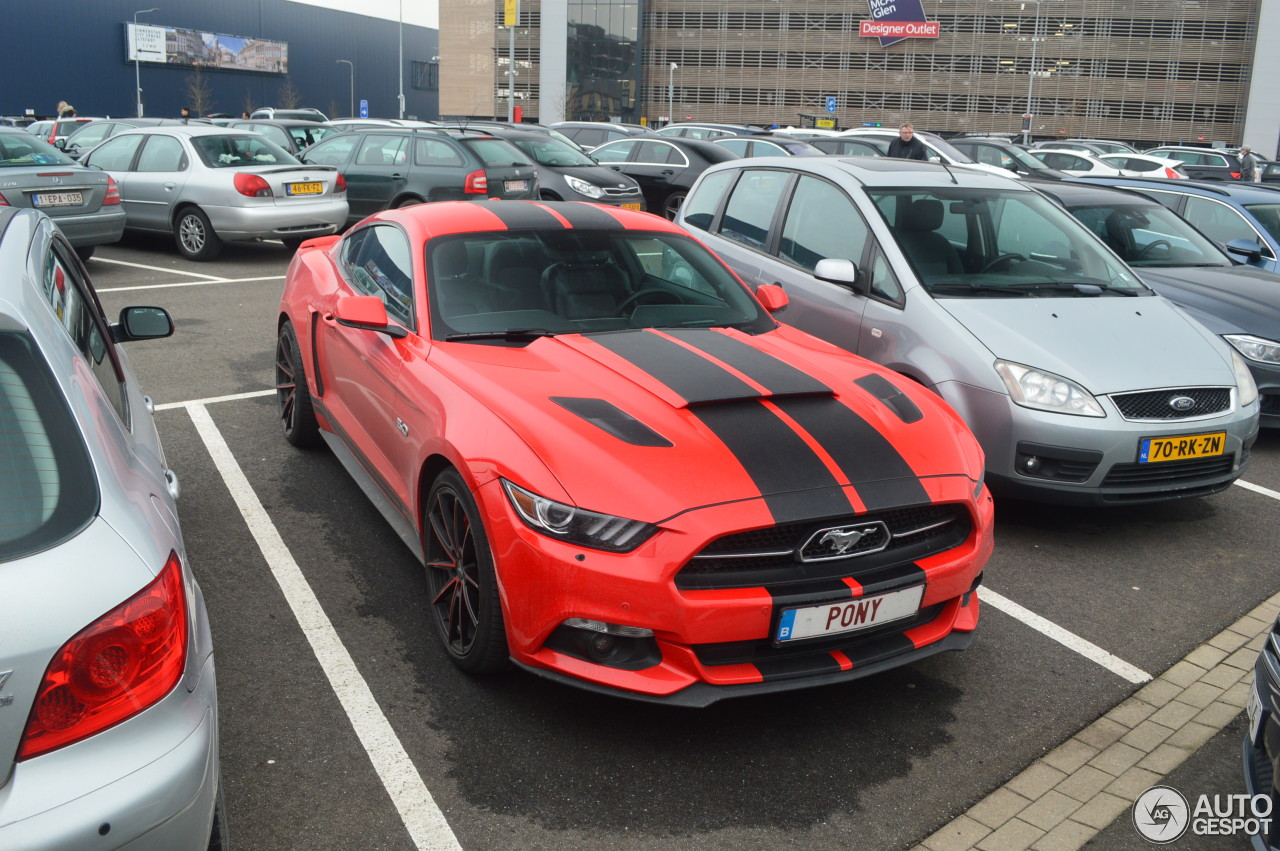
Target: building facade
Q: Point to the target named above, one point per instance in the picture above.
(1143, 70)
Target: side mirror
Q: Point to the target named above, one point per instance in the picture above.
(773, 297)
(368, 313)
(142, 323)
(1246, 248)
(837, 271)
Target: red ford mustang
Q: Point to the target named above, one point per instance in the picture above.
(620, 472)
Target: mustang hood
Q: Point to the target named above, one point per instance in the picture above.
(1108, 344)
(672, 420)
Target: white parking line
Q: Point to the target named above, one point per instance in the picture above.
(418, 810)
(176, 284)
(234, 397)
(159, 269)
(1070, 640)
(1258, 489)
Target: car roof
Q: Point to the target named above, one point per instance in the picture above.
(1241, 191)
(1084, 195)
(427, 221)
(887, 171)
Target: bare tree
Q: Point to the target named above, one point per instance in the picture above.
(199, 93)
(248, 101)
(290, 97)
(333, 107)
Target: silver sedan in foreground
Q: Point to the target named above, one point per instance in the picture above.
(108, 708)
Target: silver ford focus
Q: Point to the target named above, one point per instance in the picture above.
(108, 709)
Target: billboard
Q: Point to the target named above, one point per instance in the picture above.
(177, 46)
(895, 20)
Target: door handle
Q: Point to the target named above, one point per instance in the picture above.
(667, 172)
(397, 177)
(169, 186)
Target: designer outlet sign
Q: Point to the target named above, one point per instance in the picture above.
(893, 20)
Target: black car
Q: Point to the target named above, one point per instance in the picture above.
(851, 146)
(1262, 736)
(396, 167)
(665, 168)
(1239, 303)
(592, 134)
(768, 145)
(295, 135)
(565, 173)
(1004, 154)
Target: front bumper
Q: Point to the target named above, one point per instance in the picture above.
(1262, 755)
(713, 643)
(278, 221)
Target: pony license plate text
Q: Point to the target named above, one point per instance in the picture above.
(848, 615)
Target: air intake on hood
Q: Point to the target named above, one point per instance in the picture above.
(893, 398)
(615, 421)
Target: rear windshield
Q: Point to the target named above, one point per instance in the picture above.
(240, 150)
(47, 486)
(19, 149)
(496, 152)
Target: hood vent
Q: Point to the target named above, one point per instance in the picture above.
(613, 420)
(893, 398)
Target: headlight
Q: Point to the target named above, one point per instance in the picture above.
(1044, 391)
(1255, 348)
(576, 525)
(1244, 378)
(583, 188)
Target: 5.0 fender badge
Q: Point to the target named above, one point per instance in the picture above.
(5, 699)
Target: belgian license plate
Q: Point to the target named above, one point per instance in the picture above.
(303, 188)
(1255, 713)
(1155, 449)
(848, 615)
(59, 199)
(517, 185)
(631, 207)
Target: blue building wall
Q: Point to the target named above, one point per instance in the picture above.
(76, 51)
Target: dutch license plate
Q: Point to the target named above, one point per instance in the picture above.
(1255, 713)
(631, 207)
(1154, 449)
(59, 199)
(517, 185)
(303, 188)
(848, 615)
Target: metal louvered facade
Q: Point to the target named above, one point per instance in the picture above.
(1145, 70)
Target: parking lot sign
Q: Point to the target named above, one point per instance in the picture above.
(364, 108)
(831, 104)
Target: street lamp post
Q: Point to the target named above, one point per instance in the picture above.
(671, 88)
(400, 96)
(137, 74)
(1031, 75)
(352, 65)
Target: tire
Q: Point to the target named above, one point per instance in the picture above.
(194, 235)
(293, 396)
(461, 582)
(84, 252)
(671, 207)
(548, 196)
(408, 201)
(219, 838)
(292, 242)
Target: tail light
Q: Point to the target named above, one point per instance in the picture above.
(477, 183)
(252, 185)
(3, 202)
(1235, 175)
(340, 185)
(113, 192)
(114, 668)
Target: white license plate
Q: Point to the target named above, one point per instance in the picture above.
(517, 185)
(59, 199)
(848, 615)
(1255, 713)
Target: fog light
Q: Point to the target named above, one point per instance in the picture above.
(630, 648)
(610, 628)
(601, 645)
(1031, 465)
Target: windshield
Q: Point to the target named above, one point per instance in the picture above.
(1268, 215)
(991, 243)
(237, 151)
(553, 152)
(519, 284)
(937, 143)
(1151, 236)
(19, 149)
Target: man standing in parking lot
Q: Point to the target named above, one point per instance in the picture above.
(1248, 165)
(186, 113)
(907, 146)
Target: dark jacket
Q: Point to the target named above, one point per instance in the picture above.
(913, 150)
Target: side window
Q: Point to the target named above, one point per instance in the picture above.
(588, 138)
(884, 284)
(334, 151)
(115, 154)
(161, 153)
(661, 153)
(821, 223)
(274, 133)
(752, 205)
(77, 309)
(377, 261)
(700, 207)
(381, 150)
(615, 152)
(92, 134)
(1218, 221)
(434, 152)
(738, 146)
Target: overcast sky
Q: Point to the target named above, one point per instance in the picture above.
(423, 13)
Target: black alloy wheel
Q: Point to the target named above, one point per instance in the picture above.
(292, 394)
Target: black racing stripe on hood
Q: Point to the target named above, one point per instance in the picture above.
(791, 478)
(613, 420)
(897, 401)
(517, 215)
(779, 376)
(874, 466)
(583, 215)
(694, 378)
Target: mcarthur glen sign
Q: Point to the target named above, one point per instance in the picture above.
(893, 20)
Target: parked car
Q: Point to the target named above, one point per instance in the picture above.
(1002, 154)
(766, 145)
(1243, 218)
(665, 168)
(305, 113)
(390, 167)
(1091, 147)
(499, 128)
(1103, 146)
(1201, 163)
(84, 203)
(207, 184)
(588, 363)
(1144, 165)
(939, 149)
(94, 133)
(998, 300)
(373, 123)
(1074, 163)
(1268, 171)
(593, 134)
(1262, 735)
(703, 130)
(17, 120)
(1241, 304)
(54, 130)
(850, 147)
(295, 135)
(110, 734)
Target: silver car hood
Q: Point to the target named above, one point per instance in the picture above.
(1107, 344)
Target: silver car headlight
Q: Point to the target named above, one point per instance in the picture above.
(1244, 378)
(576, 525)
(582, 187)
(1255, 348)
(1044, 391)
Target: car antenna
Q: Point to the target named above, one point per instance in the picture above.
(950, 173)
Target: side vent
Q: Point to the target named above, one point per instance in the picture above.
(613, 420)
(893, 398)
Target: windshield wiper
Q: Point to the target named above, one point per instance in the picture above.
(1079, 287)
(518, 335)
(973, 289)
